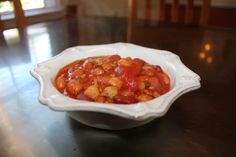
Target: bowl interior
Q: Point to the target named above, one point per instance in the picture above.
(152, 58)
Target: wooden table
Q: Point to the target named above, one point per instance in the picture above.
(199, 124)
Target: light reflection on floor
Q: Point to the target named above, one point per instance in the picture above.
(16, 83)
(13, 76)
(11, 36)
(39, 44)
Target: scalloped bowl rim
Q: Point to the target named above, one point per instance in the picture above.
(184, 80)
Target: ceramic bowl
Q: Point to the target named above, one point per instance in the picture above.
(114, 116)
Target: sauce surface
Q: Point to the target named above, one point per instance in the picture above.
(112, 79)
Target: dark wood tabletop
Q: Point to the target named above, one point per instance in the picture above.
(201, 123)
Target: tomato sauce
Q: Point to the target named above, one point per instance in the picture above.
(112, 79)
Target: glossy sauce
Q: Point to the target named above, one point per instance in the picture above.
(112, 79)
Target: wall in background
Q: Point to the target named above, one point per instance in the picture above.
(214, 3)
(120, 7)
(222, 13)
(103, 7)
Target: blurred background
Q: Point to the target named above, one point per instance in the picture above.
(222, 13)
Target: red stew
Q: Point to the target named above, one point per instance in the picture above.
(112, 79)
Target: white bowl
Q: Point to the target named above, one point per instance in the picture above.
(114, 116)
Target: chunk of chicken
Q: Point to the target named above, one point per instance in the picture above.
(125, 61)
(77, 73)
(114, 58)
(92, 92)
(114, 81)
(165, 78)
(110, 91)
(98, 71)
(148, 69)
(74, 87)
(156, 94)
(107, 66)
(144, 97)
(60, 83)
(98, 61)
(142, 82)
